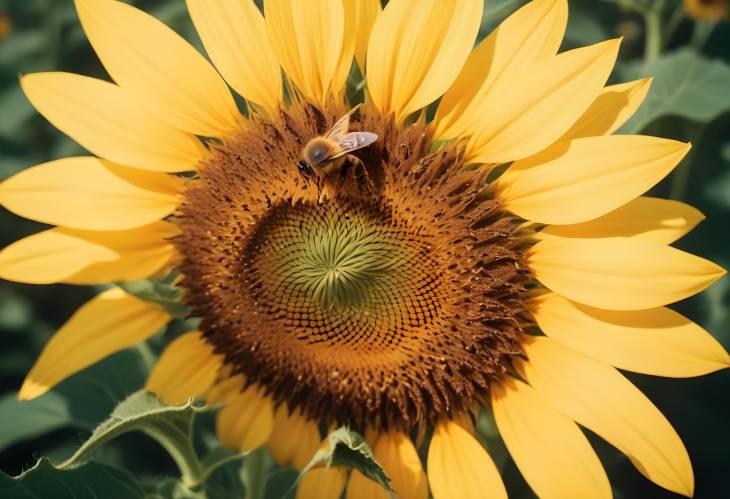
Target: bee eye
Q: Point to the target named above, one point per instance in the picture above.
(318, 154)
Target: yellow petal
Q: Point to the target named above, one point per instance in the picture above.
(289, 451)
(660, 221)
(620, 273)
(323, 483)
(532, 33)
(164, 72)
(226, 388)
(360, 15)
(415, 54)
(656, 341)
(550, 450)
(234, 35)
(359, 18)
(106, 120)
(399, 458)
(590, 177)
(90, 194)
(187, 368)
(458, 466)
(246, 422)
(82, 257)
(596, 396)
(553, 94)
(613, 107)
(307, 38)
(361, 487)
(107, 324)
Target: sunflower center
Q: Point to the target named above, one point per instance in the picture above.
(341, 273)
(386, 304)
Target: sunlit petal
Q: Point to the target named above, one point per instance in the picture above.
(620, 273)
(234, 35)
(187, 368)
(550, 450)
(106, 120)
(83, 257)
(164, 72)
(656, 220)
(532, 33)
(458, 466)
(107, 324)
(554, 93)
(414, 55)
(587, 178)
(656, 341)
(90, 194)
(596, 396)
(307, 38)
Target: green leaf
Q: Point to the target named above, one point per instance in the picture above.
(163, 293)
(93, 393)
(90, 481)
(80, 402)
(140, 411)
(279, 482)
(348, 449)
(685, 84)
(15, 310)
(21, 420)
(16, 111)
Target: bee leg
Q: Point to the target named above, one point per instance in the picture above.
(362, 177)
(319, 189)
(345, 169)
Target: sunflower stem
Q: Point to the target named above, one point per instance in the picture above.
(180, 448)
(254, 471)
(674, 22)
(653, 38)
(700, 34)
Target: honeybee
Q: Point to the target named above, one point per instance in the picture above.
(326, 154)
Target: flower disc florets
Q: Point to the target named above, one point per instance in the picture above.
(385, 303)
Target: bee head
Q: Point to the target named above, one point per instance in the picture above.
(316, 151)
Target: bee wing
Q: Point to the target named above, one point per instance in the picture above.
(352, 142)
(339, 129)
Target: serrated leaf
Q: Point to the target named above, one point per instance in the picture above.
(90, 481)
(686, 84)
(140, 411)
(163, 293)
(348, 449)
(93, 393)
(81, 402)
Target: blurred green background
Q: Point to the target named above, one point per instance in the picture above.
(690, 100)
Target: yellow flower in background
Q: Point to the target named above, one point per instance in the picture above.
(6, 26)
(707, 10)
(500, 256)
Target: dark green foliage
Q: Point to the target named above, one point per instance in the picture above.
(690, 100)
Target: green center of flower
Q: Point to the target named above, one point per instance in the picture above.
(343, 273)
(340, 260)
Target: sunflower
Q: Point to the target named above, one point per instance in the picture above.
(489, 253)
(707, 10)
